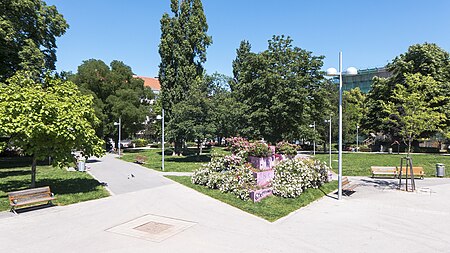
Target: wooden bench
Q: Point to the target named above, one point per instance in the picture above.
(140, 159)
(347, 187)
(30, 196)
(418, 172)
(384, 170)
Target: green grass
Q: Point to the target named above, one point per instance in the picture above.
(358, 164)
(69, 187)
(187, 163)
(271, 208)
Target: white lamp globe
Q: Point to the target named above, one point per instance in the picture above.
(352, 71)
(332, 72)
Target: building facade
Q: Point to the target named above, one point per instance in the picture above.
(363, 79)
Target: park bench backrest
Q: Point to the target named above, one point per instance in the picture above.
(416, 170)
(383, 168)
(17, 197)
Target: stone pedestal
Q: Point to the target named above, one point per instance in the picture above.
(261, 163)
(264, 177)
(257, 195)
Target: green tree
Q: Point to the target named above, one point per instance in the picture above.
(410, 107)
(427, 59)
(192, 117)
(28, 32)
(48, 119)
(226, 111)
(280, 89)
(116, 94)
(353, 103)
(183, 51)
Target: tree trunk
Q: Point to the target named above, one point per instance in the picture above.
(174, 153)
(33, 172)
(409, 146)
(199, 147)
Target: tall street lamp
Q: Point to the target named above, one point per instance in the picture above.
(334, 72)
(357, 138)
(161, 117)
(119, 124)
(314, 138)
(329, 135)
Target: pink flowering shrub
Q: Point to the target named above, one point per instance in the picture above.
(237, 144)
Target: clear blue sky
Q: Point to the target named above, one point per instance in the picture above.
(370, 33)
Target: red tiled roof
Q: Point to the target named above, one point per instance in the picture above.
(152, 83)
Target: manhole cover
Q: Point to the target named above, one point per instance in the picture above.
(153, 227)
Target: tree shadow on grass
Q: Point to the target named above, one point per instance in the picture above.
(18, 161)
(57, 186)
(189, 159)
(16, 172)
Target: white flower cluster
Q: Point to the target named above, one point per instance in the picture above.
(293, 176)
(227, 174)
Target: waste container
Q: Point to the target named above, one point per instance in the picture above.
(390, 150)
(440, 170)
(81, 165)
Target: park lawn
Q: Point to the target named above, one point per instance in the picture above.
(68, 186)
(271, 208)
(186, 163)
(358, 164)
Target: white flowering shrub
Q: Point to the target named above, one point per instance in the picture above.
(228, 174)
(293, 176)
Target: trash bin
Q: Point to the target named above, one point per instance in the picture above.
(390, 150)
(440, 170)
(81, 165)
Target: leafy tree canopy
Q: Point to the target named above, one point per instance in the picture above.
(48, 119)
(28, 32)
(426, 59)
(183, 51)
(280, 89)
(354, 110)
(410, 107)
(116, 94)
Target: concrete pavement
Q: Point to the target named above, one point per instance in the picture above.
(376, 218)
(123, 177)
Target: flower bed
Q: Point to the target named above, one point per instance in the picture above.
(293, 176)
(265, 172)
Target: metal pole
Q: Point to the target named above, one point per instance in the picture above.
(120, 127)
(340, 130)
(162, 140)
(330, 142)
(357, 138)
(314, 141)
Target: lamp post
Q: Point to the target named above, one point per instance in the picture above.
(329, 135)
(314, 140)
(334, 72)
(119, 124)
(161, 117)
(357, 138)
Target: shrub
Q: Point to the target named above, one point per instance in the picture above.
(139, 142)
(259, 149)
(293, 176)
(226, 173)
(286, 148)
(237, 144)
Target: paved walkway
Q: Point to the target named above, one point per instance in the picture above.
(376, 218)
(124, 177)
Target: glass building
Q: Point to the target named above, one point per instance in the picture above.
(363, 79)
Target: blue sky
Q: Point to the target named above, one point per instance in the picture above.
(370, 33)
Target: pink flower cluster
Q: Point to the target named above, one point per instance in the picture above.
(238, 144)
